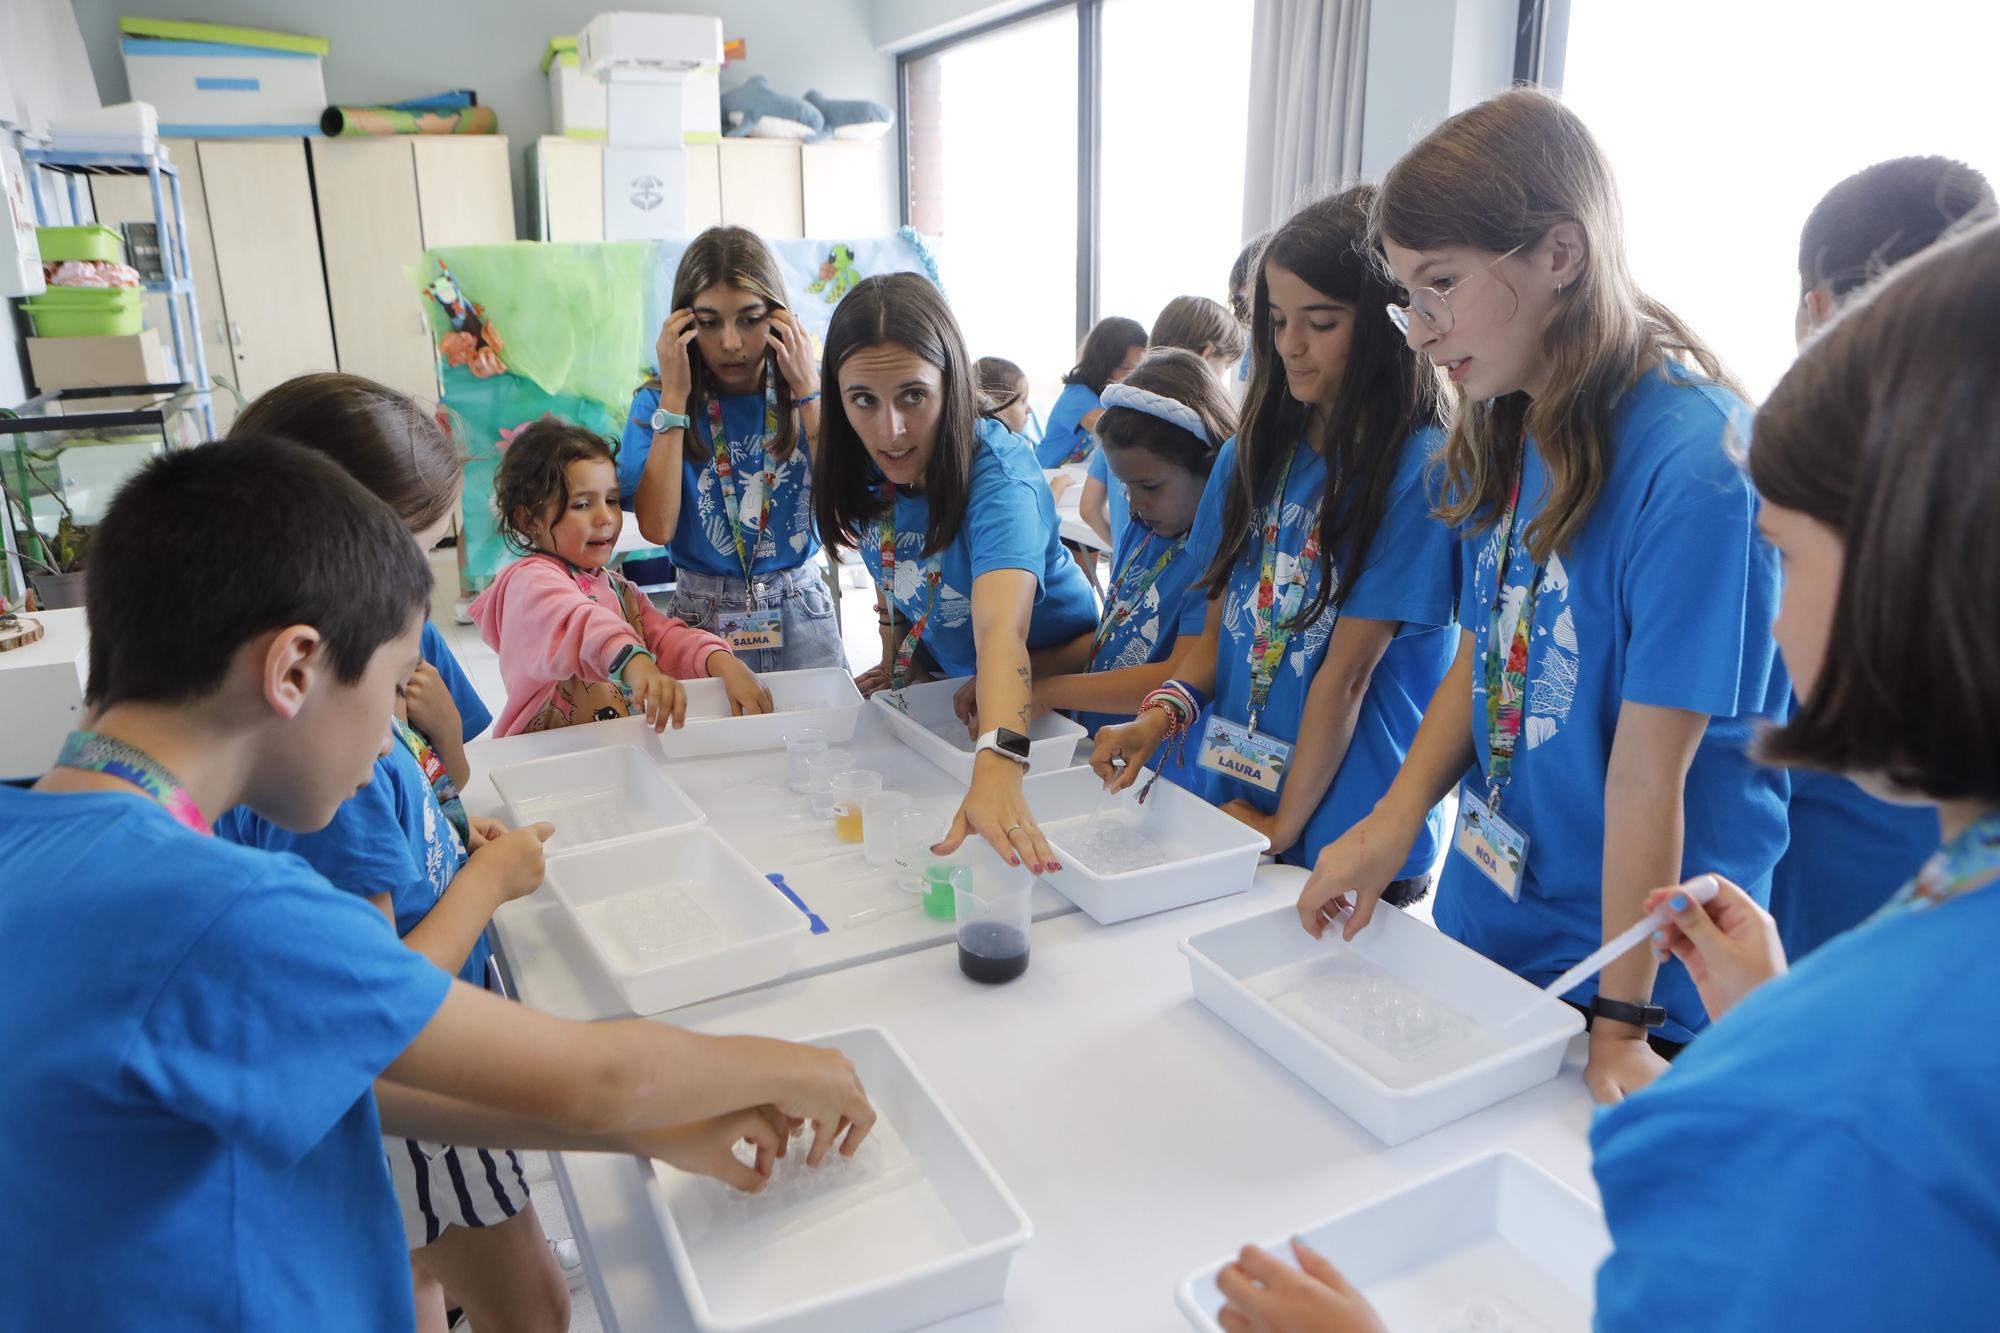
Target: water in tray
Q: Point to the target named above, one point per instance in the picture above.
(580, 820)
(1119, 842)
(1397, 1031)
(654, 927)
(801, 1196)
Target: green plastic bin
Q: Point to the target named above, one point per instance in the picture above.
(92, 242)
(87, 312)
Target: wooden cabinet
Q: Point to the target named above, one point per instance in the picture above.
(260, 216)
(778, 189)
(382, 203)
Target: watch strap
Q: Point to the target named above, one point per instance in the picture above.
(1647, 1016)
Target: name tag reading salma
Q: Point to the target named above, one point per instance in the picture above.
(1233, 750)
(749, 631)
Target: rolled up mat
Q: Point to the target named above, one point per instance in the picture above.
(339, 122)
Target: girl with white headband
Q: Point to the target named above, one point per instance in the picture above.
(1160, 432)
(1329, 585)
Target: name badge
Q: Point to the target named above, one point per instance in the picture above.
(1498, 848)
(1230, 748)
(750, 631)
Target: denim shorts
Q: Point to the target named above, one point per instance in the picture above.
(799, 595)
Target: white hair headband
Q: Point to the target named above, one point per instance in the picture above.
(1170, 410)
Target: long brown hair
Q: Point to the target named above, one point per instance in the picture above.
(731, 257)
(906, 310)
(1495, 177)
(385, 439)
(1883, 430)
(1386, 395)
(1200, 325)
(1103, 351)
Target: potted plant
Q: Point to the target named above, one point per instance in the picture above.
(56, 563)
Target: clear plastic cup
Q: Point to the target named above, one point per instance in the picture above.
(800, 746)
(820, 771)
(849, 790)
(993, 917)
(910, 846)
(879, 814)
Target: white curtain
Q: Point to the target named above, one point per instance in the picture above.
(1308, 73)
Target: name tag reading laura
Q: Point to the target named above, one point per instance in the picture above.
(748, 631)
(1230, 748)
(1498, 848)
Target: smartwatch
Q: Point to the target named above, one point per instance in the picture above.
(1002, 741)
(1646, 1016)
(665, 420)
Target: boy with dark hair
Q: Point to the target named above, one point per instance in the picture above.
(193, 1028)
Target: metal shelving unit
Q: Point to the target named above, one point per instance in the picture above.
(183, 309)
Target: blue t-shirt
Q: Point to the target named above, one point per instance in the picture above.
(1824, 1157)
(1666, 599)
(1848, 853)
(473, 715)
(995, 432)
(702, 538)
(1064, 440)
(1411, 578)
(390, 837)
(1149, 632)
(192, 1029)
(1010, 523)
(1117, 506)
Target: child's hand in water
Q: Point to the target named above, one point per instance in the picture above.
(515, 859)
(706, 1146)
(747, 694)
(1267, 1295)
(1730, 947)
(659, 696)
(823, 1088)
(431, 710)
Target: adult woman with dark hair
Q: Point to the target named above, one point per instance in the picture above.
(959, 535)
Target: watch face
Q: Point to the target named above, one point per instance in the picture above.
(1013, 742)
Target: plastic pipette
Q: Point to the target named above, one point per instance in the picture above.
(1702, 889)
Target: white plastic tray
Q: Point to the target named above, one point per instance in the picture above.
(1494, 1245)
(934, 731)
(1260, 976)
(823, 697)
(678, 917)
(914, 1229)
(600, 796)
(1205, 853)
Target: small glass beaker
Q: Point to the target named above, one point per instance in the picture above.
(800, 746)
(879, 814)
(820, 771)
(849, 789)
(993, 924)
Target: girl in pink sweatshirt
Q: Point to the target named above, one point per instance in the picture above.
(578, 643)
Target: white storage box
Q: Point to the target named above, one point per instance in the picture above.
(219, 89)
(1405, 1029)
(1496, 1244)
(607, 795)
(931, 729)
(822, 697)
(1176, 849)
(915, 1228)
(41, 692)
(679, 917)
(576, 101)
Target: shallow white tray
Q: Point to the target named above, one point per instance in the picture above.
(823, 697)
(1261, 976)
(934, 731)
(914, 1229)
(605, 795)
(678, 917)
(1204, 853)
(1494, 1245)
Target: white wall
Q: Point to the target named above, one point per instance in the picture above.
(388, 50)
(899, 25)
(1427, 59)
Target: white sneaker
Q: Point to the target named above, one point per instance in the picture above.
(461, 610)
(570, 1255)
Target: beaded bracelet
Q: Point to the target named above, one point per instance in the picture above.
(1182, 703)
(812, 397)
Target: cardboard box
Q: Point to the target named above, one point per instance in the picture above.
(86, 363)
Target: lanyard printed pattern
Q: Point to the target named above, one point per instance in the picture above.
(436, 774)
(725, 471)
(1122, 605)
(933, 575)
(91, 753)
(1965, 863)
(1506, 676)
(1274, 612)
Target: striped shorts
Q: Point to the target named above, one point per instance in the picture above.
(441, 1186)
